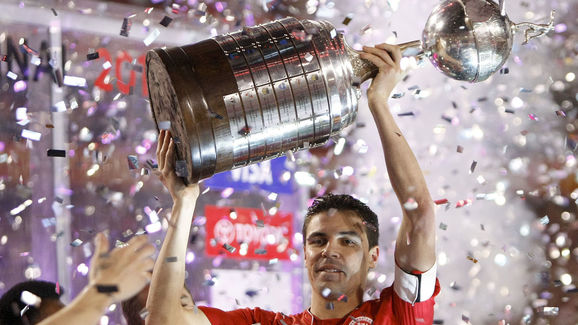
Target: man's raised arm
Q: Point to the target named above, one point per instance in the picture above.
(415, 246)
(163, 303)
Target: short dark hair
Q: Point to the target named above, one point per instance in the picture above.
(11, 305)
(345, 202)
(132, 308)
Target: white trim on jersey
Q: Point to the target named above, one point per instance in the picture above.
(415, 287)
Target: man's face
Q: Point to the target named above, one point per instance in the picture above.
(337, 254)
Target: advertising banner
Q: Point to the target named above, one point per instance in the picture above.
(269, 175)
(248, 233)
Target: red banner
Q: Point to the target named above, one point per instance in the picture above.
(248, 233)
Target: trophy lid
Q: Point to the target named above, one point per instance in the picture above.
(467, 39)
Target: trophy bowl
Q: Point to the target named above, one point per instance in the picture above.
(467, 40)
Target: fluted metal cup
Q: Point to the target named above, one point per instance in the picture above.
(289, 85)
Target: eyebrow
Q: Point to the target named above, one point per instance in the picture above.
(341, 233)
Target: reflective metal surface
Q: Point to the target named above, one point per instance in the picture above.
(289, 85)
(295, 88)
(467, 39)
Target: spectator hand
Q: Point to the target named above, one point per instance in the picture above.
(387, 58)
(166, 161)
(124, 271)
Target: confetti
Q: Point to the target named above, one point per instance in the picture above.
(533, 117)
(549, 311)
(75, 243)
(144, 313)
(410, 205)
(342, 298)
(92, 56)
(545, 220)
(24, 310)
(473, 166)
(561, 113)
(54, 12)
(330, 306)
(347, 19)
(171, 259)
(443, 226)
(251, 293)
(215, 115)
(31, 135)
(472, 259)
(58, 76)
(365, 29)
(151, 37)
(229, 248)
(181, 168)
(74, 81)
(125, 28)
(56, 153)
(333, 33)
(460, 149)
(29, 50)
(441, 201)
(101, 288)
(406, 114)
(260, 251)
(166, 21)
(30, 299)
(152, 164)
(245, 130)
(463, 203)
(132, 162)
(465, 318)
(308, 57)
(273, 261)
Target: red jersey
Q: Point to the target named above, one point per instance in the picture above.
(389, 309)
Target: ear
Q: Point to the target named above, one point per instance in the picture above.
(373, 256)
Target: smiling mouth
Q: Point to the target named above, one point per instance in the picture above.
(330, 271)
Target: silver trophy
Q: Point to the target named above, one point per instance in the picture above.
(289, 85)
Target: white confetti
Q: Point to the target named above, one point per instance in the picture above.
(152, 37)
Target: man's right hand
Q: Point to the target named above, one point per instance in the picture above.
(166, 161)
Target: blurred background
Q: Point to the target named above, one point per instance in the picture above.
(77, 136)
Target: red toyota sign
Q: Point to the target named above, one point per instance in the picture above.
(248, 233)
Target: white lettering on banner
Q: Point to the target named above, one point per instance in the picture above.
(254, 174)
(226, 232)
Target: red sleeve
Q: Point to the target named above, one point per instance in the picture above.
(245, 316)
(419, 313)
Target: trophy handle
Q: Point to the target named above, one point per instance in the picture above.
(535, 30)
(364, 69)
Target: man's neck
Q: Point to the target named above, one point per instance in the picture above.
(321, 309)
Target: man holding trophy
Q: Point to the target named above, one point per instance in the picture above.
(290, 85)
(340, 239)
